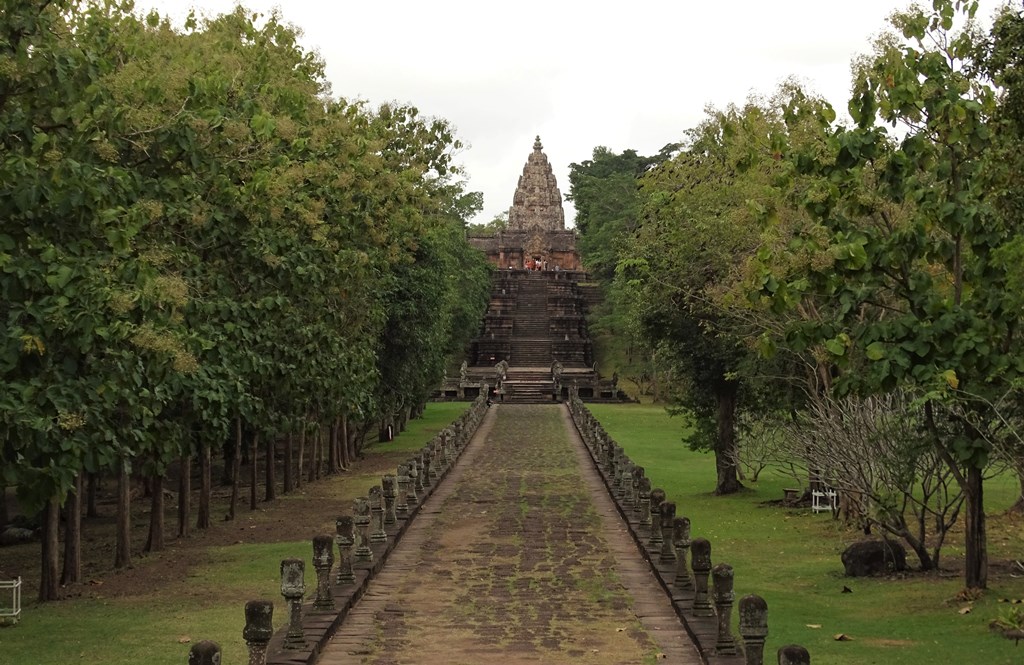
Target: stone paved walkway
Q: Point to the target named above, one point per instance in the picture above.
(519, 557)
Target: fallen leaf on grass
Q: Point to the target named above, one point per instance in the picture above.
(620, 630)
(184, 639)
(813, 625)
(842, 637)
(964, 610)
(660, 656)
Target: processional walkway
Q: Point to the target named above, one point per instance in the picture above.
(520, 556)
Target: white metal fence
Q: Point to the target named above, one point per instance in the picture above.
(10, 600)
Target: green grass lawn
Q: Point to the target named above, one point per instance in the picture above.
(157, 627)
(791, 558)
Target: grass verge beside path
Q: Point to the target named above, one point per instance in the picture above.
(791, 558)
(194, 591)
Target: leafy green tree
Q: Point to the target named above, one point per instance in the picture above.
(196, 241)
(605, 191)
(696, 231)
(914, 250)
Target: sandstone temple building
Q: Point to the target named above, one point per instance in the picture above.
(533, 344)
(536, 236)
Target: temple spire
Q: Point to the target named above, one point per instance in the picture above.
(537, 203)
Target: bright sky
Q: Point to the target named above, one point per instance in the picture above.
(580, 74)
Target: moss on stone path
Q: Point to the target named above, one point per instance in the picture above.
(512, 567)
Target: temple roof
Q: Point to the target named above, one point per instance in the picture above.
(537, 202)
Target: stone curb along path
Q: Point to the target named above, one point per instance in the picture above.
(681, 565)
(391, 508)
(515, 560)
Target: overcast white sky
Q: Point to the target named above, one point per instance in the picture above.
(579, 74)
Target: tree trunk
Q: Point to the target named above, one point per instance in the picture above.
(321, 443)
(49, 587)
(725, 448)
(919, 547)
(332, 449)
(122, 540)
(1018, 505)
(271, 490)
(155, 541)
(205, 487)
(91, 492)
(230, 455)
(288, 441)
(343, 445)
(975, 538)
(254, 478)
(236, 468)
(72, 572)
(185, 496)
(302, 458)
(312, 455)
(5, 516)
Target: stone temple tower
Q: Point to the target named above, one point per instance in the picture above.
(536, 233)
(537, 204)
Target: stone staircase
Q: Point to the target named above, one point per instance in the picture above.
(534, 319)
(529, 376)
(529, 385)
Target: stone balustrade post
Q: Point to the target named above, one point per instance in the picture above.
(681, 538)
(417, 480)
(293, 588)
(794, 654)
(613, 463)
(346, 540)
(376, 499)
(323, 561)
(428, 473)
(390, 495)
(259, 628)
(700, 551)
(667, 512)
(657, 498)
(402, 503)
(449, 446)
(361, 510)
(753, 627)
(643, 504)
(624, 492)
(638, 476)
(722, 581)
(204, 653)
(437, 461)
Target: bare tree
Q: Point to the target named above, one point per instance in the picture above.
(874, 452)
(761, 444)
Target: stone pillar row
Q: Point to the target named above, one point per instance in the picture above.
(363, 540)
(700, 591)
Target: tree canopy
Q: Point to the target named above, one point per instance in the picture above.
(858, 259)
(194, 231)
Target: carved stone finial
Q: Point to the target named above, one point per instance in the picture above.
(259, 628)
(724, 597)
(753, 627)
(536, 143)
(700, 564)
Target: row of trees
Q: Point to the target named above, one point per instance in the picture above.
(779, 261)
(198, 244)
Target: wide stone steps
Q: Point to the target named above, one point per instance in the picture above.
(531, 353)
